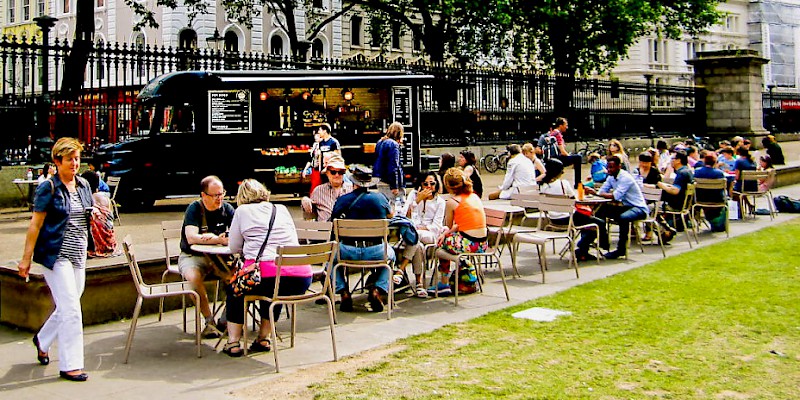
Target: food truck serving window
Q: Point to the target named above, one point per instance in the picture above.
(229, 111)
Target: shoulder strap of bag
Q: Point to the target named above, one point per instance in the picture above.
(52, 186)
(350, 207)
(269, 230)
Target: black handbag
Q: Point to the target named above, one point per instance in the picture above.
(247, 278)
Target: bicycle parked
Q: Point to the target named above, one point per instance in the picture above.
(599, 148)
(491, 162)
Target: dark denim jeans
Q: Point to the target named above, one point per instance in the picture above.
(623, 216)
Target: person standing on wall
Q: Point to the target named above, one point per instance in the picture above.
(547, 148)
(320, 152)
(58, 238)
(387, 163)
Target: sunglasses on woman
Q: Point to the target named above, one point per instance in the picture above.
(428, 183)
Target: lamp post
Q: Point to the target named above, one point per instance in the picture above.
(45, 23)
(771, 114)
(213, 42)
(649, 79)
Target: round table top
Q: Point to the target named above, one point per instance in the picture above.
(593, 200)
(212, 249)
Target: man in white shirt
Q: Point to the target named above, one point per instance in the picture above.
(324, 196)
(520, 172)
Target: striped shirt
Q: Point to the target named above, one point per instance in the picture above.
(76, 236)
(324, 197)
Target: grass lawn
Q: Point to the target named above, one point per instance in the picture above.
(716, 323)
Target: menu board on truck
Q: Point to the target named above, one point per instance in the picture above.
(401, 106)
(229, 111)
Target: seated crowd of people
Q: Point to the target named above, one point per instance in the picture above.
(455, 223)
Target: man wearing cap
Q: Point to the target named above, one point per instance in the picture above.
(324, 196)
(363, 204)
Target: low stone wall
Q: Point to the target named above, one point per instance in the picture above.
(109, 295)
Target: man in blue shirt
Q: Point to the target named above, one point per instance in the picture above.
(363, 204)
(621, 187)
(714, 215)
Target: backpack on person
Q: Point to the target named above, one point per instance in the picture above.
(786, 204)
(549, 146)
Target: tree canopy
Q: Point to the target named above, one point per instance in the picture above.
(586, 36)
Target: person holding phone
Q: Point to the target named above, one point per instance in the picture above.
(58, 238)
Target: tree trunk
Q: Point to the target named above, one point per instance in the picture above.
(75, 63)
(435, 47)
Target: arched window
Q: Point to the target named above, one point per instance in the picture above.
(317, 50)
(276, 45)
(231, 41)
(187, 39)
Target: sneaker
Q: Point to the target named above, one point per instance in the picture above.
(613, 255)
(210, 331)
(397, 278)
(585, 257)
(442, 288)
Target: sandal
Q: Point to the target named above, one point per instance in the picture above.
(397, 277)
(422, 292)
(233, 349)
(261, 345)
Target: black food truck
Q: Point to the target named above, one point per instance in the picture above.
(243, 124)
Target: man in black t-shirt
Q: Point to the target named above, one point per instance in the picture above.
(206, 222)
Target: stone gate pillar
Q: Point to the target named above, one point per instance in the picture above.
(733, 83)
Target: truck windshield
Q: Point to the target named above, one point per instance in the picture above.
(158, 119)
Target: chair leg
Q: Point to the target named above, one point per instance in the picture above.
(574, 259)
(161, 300)
(294, 325)
(274, 337)
(244, 328)
(540, 253)
(197, 330)
(132, 329)
(458, 273)
(686, 230)
(332, 322)
(390, 295)
(502, 277)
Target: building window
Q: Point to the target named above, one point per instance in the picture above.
(11, 8)
(40, 7)
(658, 51)
(101, 3)
(26, 10)
(375, 33)
(65, 6)
(731, 22)
(317, 49)
(316, 4)
(231, 41)
(276, 46)
(355, 30)
(187, 39)
(418, 40)
(397, 34)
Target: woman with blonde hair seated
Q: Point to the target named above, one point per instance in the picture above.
(250, 227)
(615, 149)
(466, 233)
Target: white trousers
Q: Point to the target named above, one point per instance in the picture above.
(66, 283)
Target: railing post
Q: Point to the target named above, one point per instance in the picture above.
(45, 23)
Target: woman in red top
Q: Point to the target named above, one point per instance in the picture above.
(466, 222)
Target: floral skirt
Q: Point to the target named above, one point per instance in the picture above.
(457, 243)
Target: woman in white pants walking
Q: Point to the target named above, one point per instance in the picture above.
(58, 238)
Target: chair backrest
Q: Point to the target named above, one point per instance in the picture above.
(313, 231)
(525, 200)
(113, 184)
(497, 219)
(710, 184)
(170, 230)
(304, 254)
(689, 199)
(753, 175)
(527, 189)
(363, 229)
(652, 195)
(559, 204)
(130, 255)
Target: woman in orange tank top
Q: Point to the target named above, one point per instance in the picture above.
(467, 233)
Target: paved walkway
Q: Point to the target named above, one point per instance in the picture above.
(163, 364)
